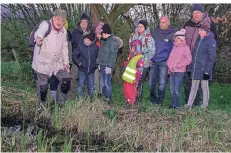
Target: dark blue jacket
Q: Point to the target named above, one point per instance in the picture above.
(164, 43)
(204, 56)
(85, 57)
(77, 35)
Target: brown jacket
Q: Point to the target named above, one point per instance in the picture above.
(50, 57)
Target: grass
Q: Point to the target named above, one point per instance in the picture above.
(98, 126)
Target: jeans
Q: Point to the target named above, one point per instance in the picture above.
(187, 89)
(158, 72)
(106, 83)
(175, 88)
(82, 77)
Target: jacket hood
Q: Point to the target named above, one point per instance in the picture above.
(210, 35)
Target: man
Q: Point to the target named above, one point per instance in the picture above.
(191, 27)
(106, 60)
(163, 36)
(51, 58)
(83, 27)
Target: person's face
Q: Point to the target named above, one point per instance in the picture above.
(177, 40)
(83, 24)
(202, 33)
(105, 35)
(164, 24)
(98, 36)
(58, 22)
(87, 41)
(197, 15)
(140, 28)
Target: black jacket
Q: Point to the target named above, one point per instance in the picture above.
(85, 57)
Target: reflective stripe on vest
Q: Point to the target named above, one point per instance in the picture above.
(129, 74)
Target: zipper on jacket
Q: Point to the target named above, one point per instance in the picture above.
(89, 62)
(196, 58)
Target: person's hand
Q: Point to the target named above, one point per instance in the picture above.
(150, 62)
(206, 76)
(108, 70)
(39, 41)
(66, 67)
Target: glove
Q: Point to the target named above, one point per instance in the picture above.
(206, 76)
(108, 70)
(99, 67)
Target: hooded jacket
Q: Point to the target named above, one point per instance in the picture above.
(85, 57)
(149, 50)
(179, 58)
(164, 43)
(191, 28)
(203, 57)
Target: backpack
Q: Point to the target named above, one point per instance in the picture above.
(146, 38)
(32, 39)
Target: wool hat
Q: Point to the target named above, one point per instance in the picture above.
(144, 23)
(90, 36)
(198, 7)
(106, 29)
(99, 28)
(84, 16)
(205, 27)
(61, 13)
(180, 34)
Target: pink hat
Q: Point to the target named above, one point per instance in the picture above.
(180, 34)
(99, 28)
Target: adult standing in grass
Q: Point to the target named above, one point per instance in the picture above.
(51, 58)
(192, 25)
(204, 55)
(163, 36)
(83, 27)
(106, 60)
(143, 34)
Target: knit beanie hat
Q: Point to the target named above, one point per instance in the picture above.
(106, 29)
(144, 23)
(180, 34)
(84, 16)
(99, 28)
(90, 36)
(198, 7)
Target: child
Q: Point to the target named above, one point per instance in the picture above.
(179, 58)
(85, 58)
(204, 54)
(106, 60)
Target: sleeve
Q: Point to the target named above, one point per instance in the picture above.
(42, 29)
(74, 40)
(151, 47)
(211, 57)
(214, 30)
(75, 56)
(186, 60)
(65, 49)
(113, 54)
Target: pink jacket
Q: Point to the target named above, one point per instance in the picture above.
(179, 58)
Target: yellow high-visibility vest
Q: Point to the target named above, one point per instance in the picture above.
(129, 74)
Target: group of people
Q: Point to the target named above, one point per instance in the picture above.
(187, 55)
